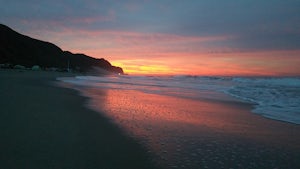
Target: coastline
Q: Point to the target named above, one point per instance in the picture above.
(46, 126)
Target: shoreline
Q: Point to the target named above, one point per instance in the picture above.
(221, 129)
(235, 114)
(266, 109)
(46, 126)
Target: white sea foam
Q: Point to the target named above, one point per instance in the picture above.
(276, 98)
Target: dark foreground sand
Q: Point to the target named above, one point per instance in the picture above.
(43, 127)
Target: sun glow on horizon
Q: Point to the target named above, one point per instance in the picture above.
(145, 69)
(236, 64)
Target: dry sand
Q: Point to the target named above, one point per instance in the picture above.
(43, 126)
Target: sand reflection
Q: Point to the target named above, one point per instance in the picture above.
(133, 108)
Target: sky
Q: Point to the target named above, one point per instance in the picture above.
(195, 37)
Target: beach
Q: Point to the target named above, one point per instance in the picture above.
(44, 126)
(187, 133)
(47, 124)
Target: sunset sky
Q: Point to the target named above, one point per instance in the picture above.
(199, 37)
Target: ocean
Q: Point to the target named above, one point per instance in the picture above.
(276, 98)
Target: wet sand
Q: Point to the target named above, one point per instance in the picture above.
(43, 126)
(186, 133)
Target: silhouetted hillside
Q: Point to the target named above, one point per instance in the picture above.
(18, 49)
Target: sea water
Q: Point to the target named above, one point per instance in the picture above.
(273, 97)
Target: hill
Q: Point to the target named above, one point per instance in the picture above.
(18, 49)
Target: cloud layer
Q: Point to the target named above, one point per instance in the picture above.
(135, 30)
